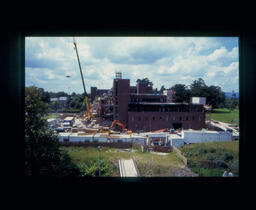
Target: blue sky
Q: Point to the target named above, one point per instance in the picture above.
(164, 60)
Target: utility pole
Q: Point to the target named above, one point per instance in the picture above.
(68, 76)
(99, 147)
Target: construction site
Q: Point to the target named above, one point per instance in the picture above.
(126, 113)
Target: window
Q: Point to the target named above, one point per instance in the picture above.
(187, 118)
(180, 118)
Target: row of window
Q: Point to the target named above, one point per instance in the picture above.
(147, 100)
(167, 118)
(132, 108)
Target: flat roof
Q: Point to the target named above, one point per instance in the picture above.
(51, 119)
(147, 94)
(69, 118)
(200, 131)
(162, 103)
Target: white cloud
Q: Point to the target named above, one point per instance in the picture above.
(163, 60)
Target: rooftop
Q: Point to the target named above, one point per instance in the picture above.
(69, 118)
(162, 103)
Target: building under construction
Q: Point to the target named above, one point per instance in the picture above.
(140, 109)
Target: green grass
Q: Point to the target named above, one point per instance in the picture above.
(215, 151)
(50, 116)
(224, 115)
(157, 165)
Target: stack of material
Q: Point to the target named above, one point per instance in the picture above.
(161, 130)
(74, 130)
(80, 133)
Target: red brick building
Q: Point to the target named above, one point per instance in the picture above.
(147, 111)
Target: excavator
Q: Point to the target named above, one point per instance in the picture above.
(122, 126)
(88, 114)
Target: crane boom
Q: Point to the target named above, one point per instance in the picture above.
(86, 95)
(79, 65)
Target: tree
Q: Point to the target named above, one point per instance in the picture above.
(234, 101)
(162, 89)
(45, 96)
(145, 81)
(198, 88)
(76, 101)
(182, 93)
(214, 95)
(42, 154)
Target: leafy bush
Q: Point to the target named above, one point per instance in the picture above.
(210, 157)
(67, 167)
(92, 168)
(228, 156)
(221, 164)
(212, 150)
(203, 151)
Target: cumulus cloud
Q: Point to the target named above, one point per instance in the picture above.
(164, 60)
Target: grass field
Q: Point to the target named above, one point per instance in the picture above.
(50, 116)
(224, 154)
(156, 165)
(224, 115)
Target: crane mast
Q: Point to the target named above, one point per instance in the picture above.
(88, 114)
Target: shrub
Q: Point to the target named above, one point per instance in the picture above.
(210, 157)
(221, 164)
(212, 150)
(92, 168)
(228, 156)
(202, 151)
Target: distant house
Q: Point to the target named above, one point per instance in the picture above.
(198, 100)
(63, 98)
(53, 99)
(52, 123)
(61, 101)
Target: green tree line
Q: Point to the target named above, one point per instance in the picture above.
(43, 156)
(214, 94)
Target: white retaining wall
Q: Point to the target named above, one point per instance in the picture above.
(177, 142)
(73, 137)
(206, 136)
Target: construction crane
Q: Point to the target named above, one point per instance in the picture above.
(88, 114)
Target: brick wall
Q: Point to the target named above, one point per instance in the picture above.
(149, 121)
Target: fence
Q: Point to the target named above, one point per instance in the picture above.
(178, 152)
(96, 144)
(165, 149)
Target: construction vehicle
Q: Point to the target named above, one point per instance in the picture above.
(88, 114)
(106, 130)
(122, 126)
